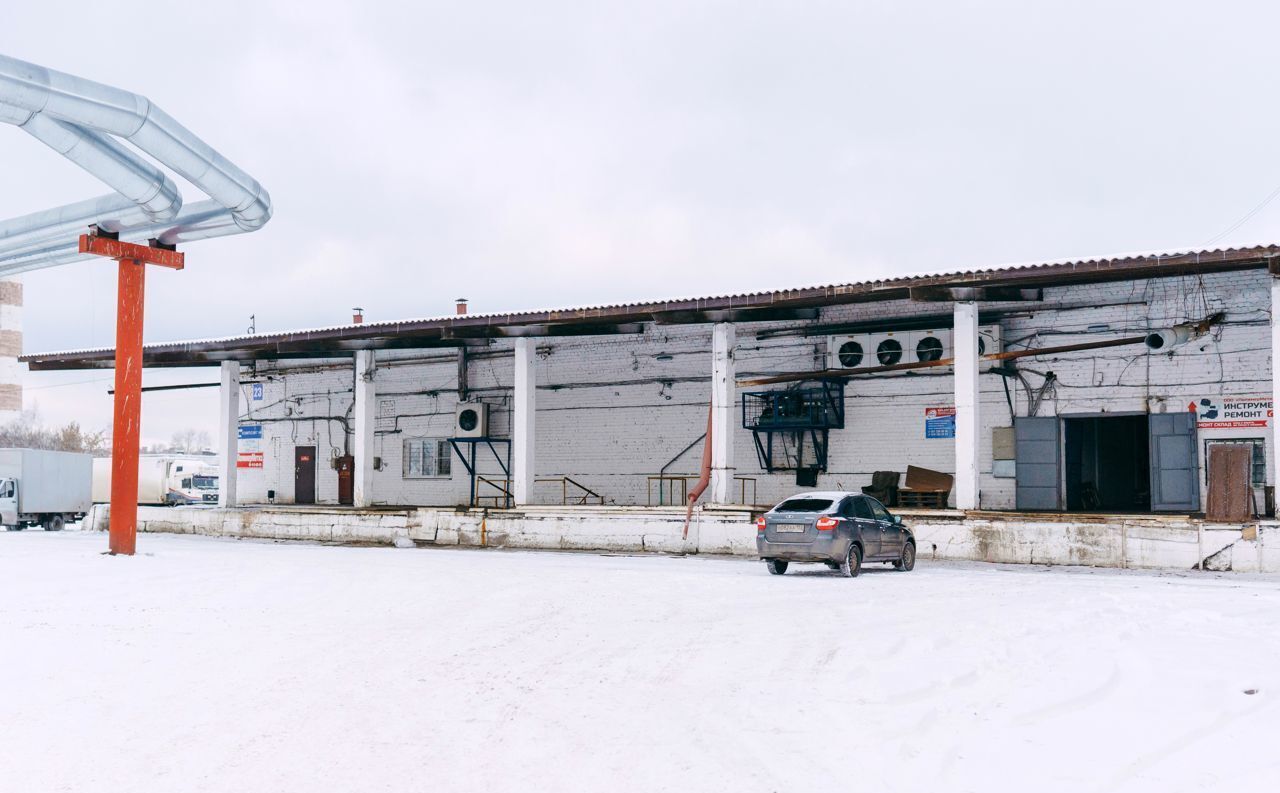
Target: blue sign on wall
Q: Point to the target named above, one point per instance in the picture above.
(940, 422)
(249, 432)
(256, 392)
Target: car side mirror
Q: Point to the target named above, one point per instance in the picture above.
(897, 519)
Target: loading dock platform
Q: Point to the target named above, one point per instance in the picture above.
(1177, 542)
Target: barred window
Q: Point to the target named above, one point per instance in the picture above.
(426, 458)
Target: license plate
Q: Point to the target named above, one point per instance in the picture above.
(789, 528)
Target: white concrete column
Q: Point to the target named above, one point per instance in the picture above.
(723, 394)
(364, 417)
(1275, 380)
(964, 340)
(229, 432)
(523, 425)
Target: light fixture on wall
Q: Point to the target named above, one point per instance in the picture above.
(663, 356)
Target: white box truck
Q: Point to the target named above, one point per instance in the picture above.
(164, 479)
(39, 487)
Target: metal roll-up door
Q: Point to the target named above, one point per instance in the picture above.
(1038, 463)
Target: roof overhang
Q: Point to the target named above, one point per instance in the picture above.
(998, 284)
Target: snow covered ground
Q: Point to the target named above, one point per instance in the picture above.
(217, 665)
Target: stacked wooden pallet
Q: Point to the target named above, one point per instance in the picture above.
(925, 489)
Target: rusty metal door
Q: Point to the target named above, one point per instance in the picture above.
(1230, 485)
(304, 475)
(346, 480)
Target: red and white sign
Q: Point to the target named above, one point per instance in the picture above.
(1232, 413)
(249, 439)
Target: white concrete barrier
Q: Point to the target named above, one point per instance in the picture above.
(1153, 542)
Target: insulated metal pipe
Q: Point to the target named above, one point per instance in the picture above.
(77, 118)
(133, 117)
(125, 172)
(200, 221)
(1172, 337)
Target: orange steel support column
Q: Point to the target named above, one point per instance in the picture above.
(127, 423)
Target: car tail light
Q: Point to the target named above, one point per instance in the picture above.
(827, 524)
(760, 522)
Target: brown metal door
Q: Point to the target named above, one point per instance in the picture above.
(1230, 485)
(346, 480)
(304, 475)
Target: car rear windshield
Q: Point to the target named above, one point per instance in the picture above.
(805, 505)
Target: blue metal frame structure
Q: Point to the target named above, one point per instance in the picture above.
(469, 461)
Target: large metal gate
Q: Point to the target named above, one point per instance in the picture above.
(1175, 471)
(1039, 463)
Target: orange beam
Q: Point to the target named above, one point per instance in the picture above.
(127, 421)
(115, 249)
(126, 424)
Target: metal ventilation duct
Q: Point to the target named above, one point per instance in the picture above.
(81, 119)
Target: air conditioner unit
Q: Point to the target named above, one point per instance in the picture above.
(929, 345)
(849, 352)
(471, 420)
(990, 341)
(890, 348)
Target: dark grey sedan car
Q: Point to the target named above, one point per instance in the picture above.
(843, 530)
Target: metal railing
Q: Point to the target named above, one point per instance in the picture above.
(667, 486)
(582, 496)
(500, 499)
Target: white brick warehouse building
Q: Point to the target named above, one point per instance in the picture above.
(616, 398)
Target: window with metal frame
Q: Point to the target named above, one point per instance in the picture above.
(426, 458)
(1259, 473)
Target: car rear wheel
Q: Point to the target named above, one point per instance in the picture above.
(908, 559)
(852, 563)
(776, 566)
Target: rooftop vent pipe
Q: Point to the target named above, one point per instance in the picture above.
(81, 119)
(461, 306)
(357, 317)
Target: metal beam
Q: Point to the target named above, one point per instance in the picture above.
(990, 294)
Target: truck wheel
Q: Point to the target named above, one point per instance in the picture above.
(54, 524)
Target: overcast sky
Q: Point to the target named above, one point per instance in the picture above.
(542, 154)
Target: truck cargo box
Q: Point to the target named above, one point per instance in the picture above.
(49, 482)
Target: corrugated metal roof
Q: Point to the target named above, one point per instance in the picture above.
(1090, 268)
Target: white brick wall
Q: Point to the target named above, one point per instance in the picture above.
(610, 412)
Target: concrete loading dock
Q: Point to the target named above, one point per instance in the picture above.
(595, 403)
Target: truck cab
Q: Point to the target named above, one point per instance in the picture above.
(199, 486)
(9, 502)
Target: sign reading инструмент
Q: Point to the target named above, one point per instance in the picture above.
(1229, 413)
